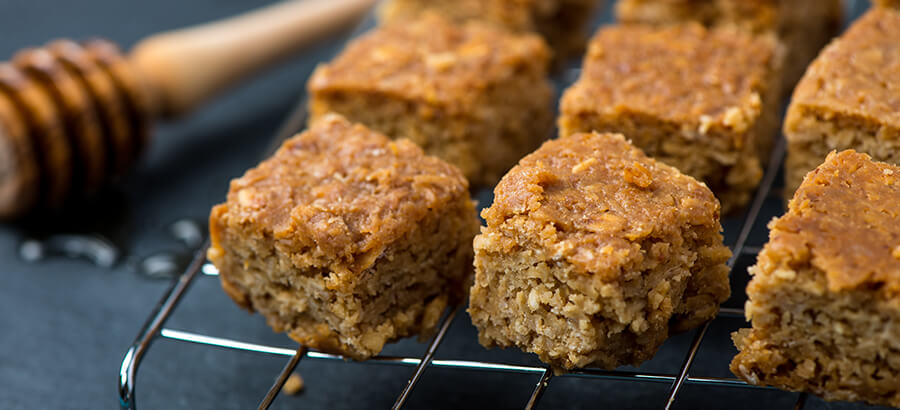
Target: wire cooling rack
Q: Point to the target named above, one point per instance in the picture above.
(155, 326)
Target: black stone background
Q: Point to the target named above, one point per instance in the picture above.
(66, 323)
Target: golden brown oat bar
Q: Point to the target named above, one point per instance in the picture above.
(346, 239)
(849, 98)
(472, 95)
(803, 26)
(563, 23)
(593, 253)
(825, 294)
(702, 100)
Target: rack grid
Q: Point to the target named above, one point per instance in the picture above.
(154, 327)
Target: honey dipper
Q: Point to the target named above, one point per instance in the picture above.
(74, 115)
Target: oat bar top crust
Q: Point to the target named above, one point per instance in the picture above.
(431, 60)
(590, 198)
(755, 15)
(858, 74)
(343, 192)
(515, 15)
(685, 74)
(843, 220)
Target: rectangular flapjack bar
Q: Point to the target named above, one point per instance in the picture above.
(594, 253)
(702, 100)
(345, 239)
(848, 99)
(473, 95)
(562, 23)
(824, 300)
(802, 26)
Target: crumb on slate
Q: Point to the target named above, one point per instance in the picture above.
(294, 384)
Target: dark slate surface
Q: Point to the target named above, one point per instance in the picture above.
(65, 324)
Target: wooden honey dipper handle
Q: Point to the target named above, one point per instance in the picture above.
(183, 68)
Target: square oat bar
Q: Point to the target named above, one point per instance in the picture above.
(594, 253)
(824, 300)
(803, 26)
(562, 23)
(345, 239)
(473, 95)
(702, 100)
(849, 98)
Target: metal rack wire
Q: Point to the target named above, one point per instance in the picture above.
(154, 328)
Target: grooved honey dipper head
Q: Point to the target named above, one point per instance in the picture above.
(19, 173)
(76, 111)
(71, 117)
(110, 104)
